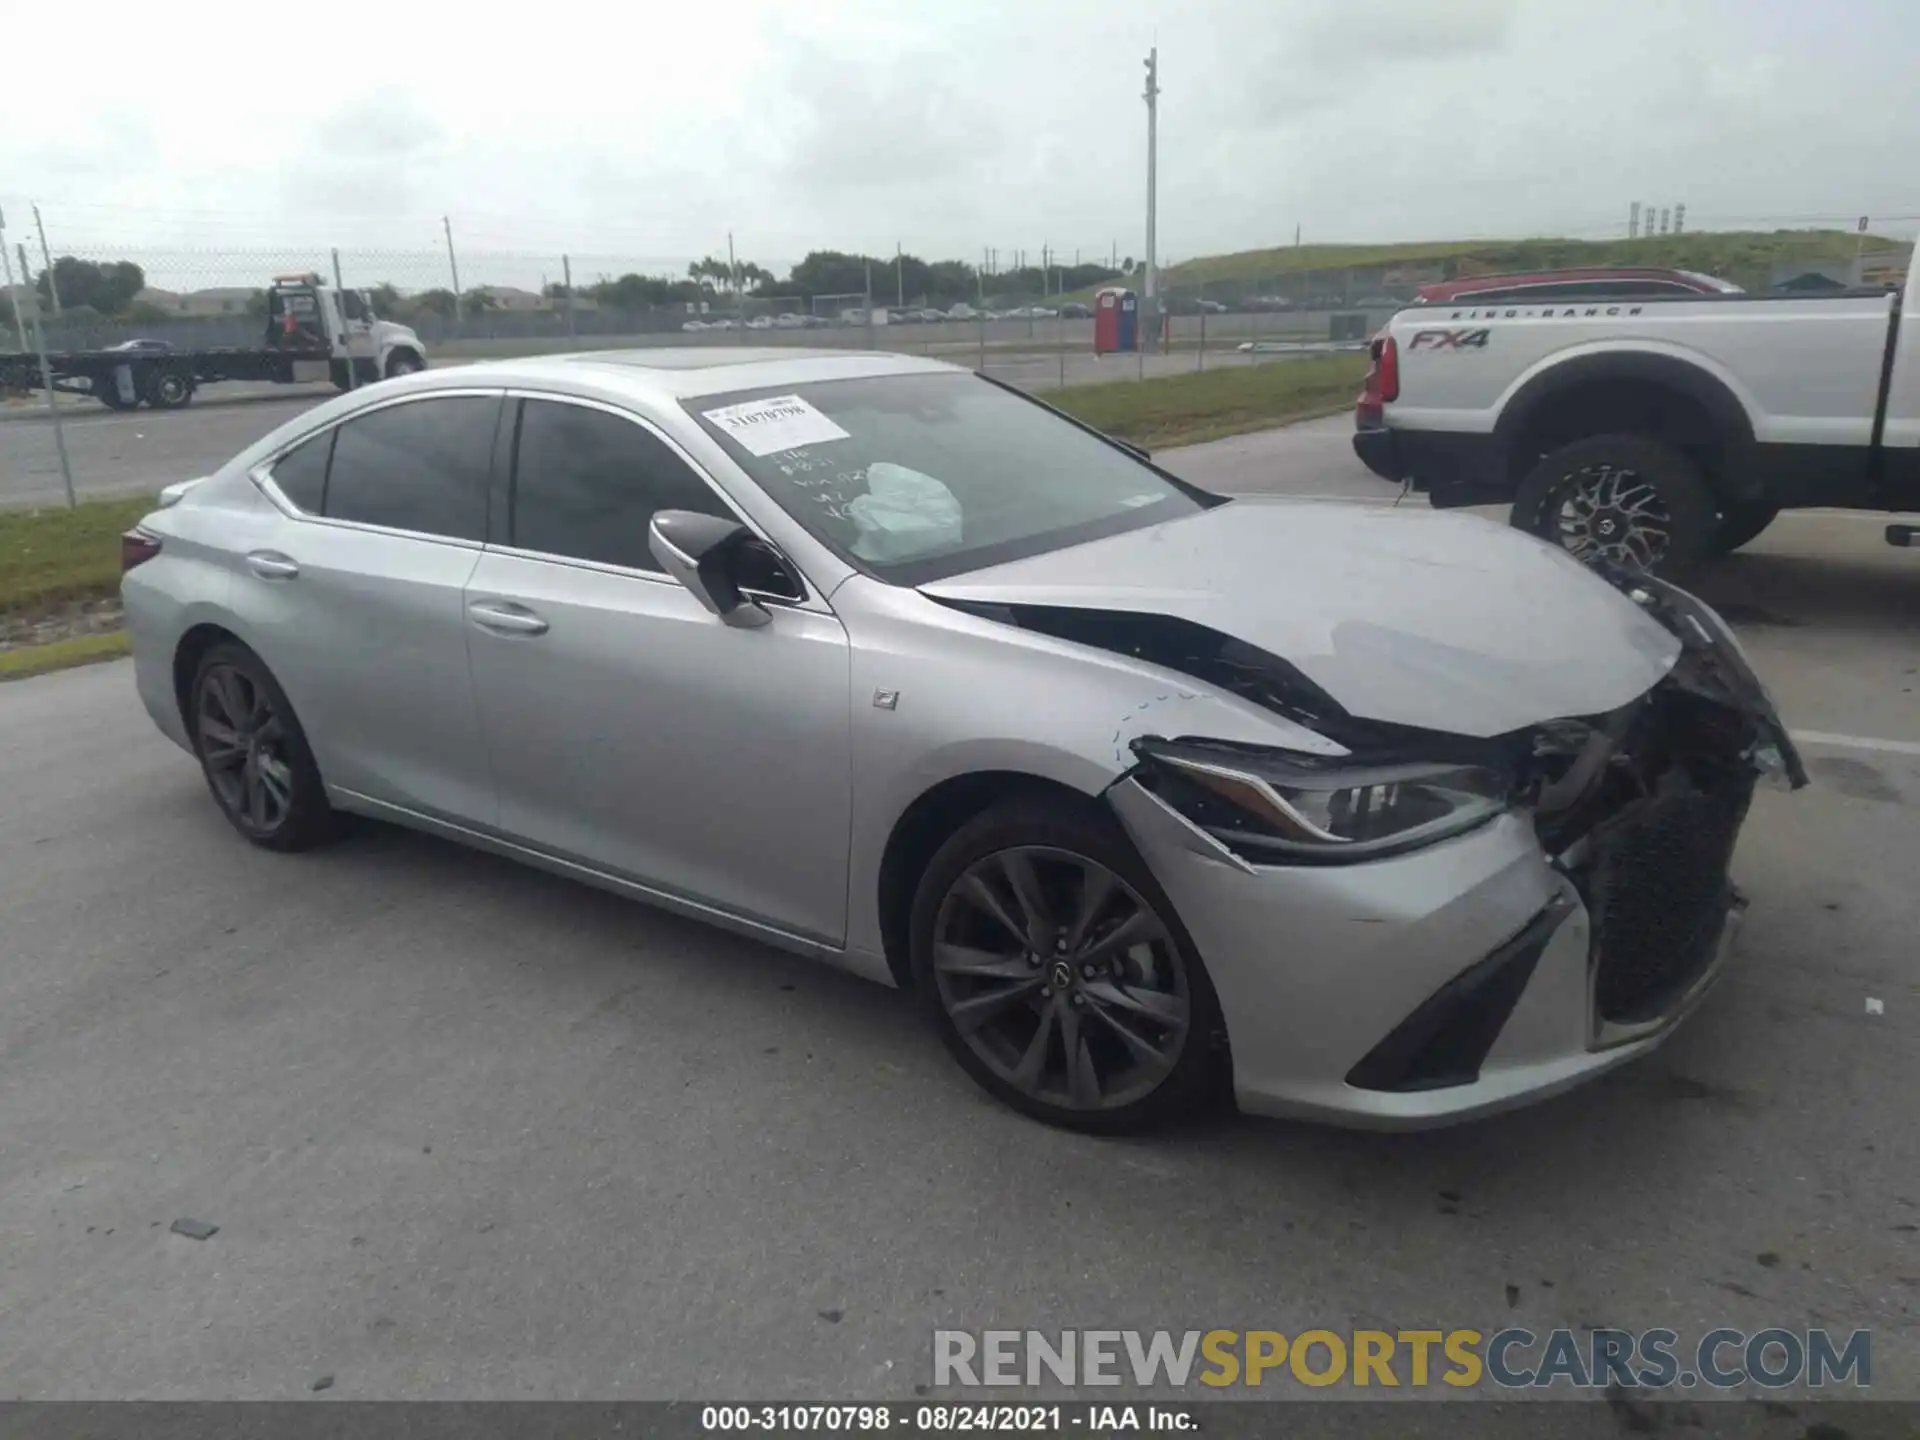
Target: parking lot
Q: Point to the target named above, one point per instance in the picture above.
(467, 1130)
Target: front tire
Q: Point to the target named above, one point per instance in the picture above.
(1624, 500)
(1056, 972)
(403, 362)
(254, 754)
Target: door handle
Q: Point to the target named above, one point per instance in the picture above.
(505, 618)
(271, 565)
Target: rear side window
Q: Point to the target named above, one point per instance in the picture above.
(301, 473)
(420, 466)
(586, 484)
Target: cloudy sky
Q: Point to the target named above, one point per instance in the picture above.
(640, 134)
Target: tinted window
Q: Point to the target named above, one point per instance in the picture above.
(301, 473)
(352, 306)
(419, 466)
(586, 485)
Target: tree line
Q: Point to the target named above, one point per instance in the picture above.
(112, 289)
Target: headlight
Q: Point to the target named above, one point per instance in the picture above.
(1272, 807)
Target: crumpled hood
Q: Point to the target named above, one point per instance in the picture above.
(1412, 617)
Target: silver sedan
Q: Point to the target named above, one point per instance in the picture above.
(1384, 817)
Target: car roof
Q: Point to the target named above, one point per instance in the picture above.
(674, 373)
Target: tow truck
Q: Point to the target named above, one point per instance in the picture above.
(312, 331)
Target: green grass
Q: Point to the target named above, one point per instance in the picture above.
(1746, 257)
(51, 555)
(62, 654)
(1185, 409)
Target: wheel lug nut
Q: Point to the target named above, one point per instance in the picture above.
(1089, 971)
(1046, 992)
(1078, 1001)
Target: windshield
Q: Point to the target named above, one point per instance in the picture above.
(919, 477)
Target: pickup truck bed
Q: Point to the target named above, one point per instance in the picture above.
(1701, 416)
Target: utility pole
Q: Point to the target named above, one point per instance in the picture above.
(340, 286)
(566, 281)
(739, 296)
(46, 373)
(14, 297)
(46, 259)
(1152, 97)
(1296, 237)
(899, 276)
(446, 224)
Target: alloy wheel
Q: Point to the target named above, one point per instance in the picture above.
(1611, 513)
(242, 740)
(1061, 978)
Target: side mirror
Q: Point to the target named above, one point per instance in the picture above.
(701, 552)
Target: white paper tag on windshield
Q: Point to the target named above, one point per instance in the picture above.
(779, 422)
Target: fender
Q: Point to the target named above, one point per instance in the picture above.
(1738, 478)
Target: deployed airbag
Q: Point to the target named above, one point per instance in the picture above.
(903, 514)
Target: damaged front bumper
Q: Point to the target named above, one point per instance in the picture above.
(1501, 965)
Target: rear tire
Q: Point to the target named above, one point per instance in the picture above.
(1740, 524)
(254, 754)
(1626, 500)
(169, 389)
(1105, 978)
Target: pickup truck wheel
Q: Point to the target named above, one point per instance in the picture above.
(1741, 523)
(403, 362)
(1623, 500)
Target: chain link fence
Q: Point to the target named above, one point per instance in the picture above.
(1030, 324)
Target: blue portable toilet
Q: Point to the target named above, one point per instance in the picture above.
(1116, 314)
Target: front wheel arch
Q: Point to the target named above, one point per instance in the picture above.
(923, 827)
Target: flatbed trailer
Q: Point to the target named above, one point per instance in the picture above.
(312, 332)
(167, 379)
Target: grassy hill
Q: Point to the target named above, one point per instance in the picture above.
(1746, 257)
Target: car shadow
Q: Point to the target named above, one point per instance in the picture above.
(1862, 586)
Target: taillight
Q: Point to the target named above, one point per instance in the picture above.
(137, 546)
(1389, 368)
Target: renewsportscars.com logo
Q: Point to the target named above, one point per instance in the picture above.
(1511, 1359)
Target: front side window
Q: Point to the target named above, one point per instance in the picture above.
(918, 477)
(586, 484)
(423, 465)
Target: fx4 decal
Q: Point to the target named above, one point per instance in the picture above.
(1449, 340)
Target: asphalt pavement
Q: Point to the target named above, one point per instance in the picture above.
(467, 1130)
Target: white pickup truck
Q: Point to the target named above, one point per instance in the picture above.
(1651, 433)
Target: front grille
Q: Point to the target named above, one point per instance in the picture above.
(1658, 893)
